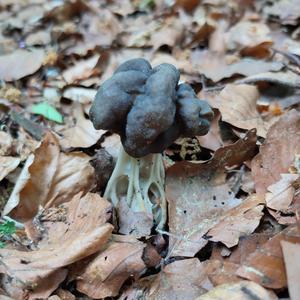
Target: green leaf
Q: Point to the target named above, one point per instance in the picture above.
(48, 111)
(7, 228)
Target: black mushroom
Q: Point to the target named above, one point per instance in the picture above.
(149, 109)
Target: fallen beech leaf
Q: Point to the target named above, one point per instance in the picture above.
(287, 10)
(20, 63)
(83, 134)
(32, 268)
(265, 266)
(246, 34)
(198, 195)
(292, 265)
(212, 140)
(220, 272)
(288, 78)
(239, 221)
(282, 192)
(182, 279)
(79, 94)
(278, 151)
(7, 165)
(238, 291)
(105, 274)
(238, 107)
(70, 232)
(216, 67)
(188, 5)
(81, 70)
(49, 178)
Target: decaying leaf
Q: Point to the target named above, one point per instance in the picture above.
(238, 291)
(292, 266)
(198, 195)
(281, 193)
(105, 274)
(217, 66)
(239, 221)
(278, 151)
(182, 279)
(81, 70)
(78, 232)
(20, 63)
(266, 266)
(287, 78)
(246, 34)
(49, 178)
(238, 107)
(83, 134)
(7, 165)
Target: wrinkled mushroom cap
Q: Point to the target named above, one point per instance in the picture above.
(147, 107)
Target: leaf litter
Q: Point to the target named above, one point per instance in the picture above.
(233, 194)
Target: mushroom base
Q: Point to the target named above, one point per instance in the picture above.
(141, 181)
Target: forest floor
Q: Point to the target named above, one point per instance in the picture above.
(233, 227)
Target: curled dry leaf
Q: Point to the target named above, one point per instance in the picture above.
(281, 193)
(239, 221)
(217, 66)
(7, 165)
(83, 134)
(287, 11)
(183, 279)
(105, 274)
(238, 291)
(287, 78)
(80, 215)
(198, 195)
(20, 63)
(238, 107)
(278, 151)
(292, 265)
(49, 178)
(246, 34)
(82, 232)
(266, 266)
(212, 140)
(81, 70)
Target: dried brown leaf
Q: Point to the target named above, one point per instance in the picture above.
(79, 94)
(182, 279)
(239, 221)
(49, 178)
(81, 70)
(281, 193)
(217, 66)
(292, 265)
(238, 291)
(105, 274)
(7, 165)
(71, 232)
(246, 34)
(266, 266)
(20, 63)
(278, 151)
(83, 134)
(238, 107)
(198, 195)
